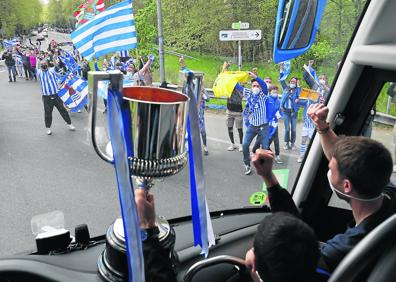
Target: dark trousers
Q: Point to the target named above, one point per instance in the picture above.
(49, 103)
(275, 139)
(252, 131)
(26, 68)
(12, 72)
(32, 72)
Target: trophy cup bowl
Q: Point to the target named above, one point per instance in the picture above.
(157, 120)
(158, 117)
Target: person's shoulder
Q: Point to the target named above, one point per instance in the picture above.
(390, 193)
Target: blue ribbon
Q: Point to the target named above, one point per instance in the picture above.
(121, 144)
(193, 187)
(202, 228)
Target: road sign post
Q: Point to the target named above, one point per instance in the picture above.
(240, 35)
(240, 25)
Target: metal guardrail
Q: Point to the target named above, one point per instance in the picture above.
(174, 87)
(385, 119)
(379, 117)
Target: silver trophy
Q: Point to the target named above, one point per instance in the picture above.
(158, 117)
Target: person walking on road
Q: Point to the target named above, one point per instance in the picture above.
(256, 113)
(49, 87)
(19, 65)
(234, 115)
(25, 56)
(290, 107)
(10, 63)
(33, 63)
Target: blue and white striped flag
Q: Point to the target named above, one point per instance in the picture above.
(124, 53)
(273, 125)
(285, 70)
(110, 31)
(70, 62)
(10, 43)
(74, 93)
(112, 62)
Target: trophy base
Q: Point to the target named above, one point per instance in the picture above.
(112, 263)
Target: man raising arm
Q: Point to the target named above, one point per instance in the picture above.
(359, 171)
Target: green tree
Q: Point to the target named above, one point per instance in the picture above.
(17, 16)
(146, 25)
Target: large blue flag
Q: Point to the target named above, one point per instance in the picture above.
(74, 93)
(70, 62)
(10, 43)
(110, 31)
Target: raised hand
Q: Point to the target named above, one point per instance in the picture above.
(318, 113)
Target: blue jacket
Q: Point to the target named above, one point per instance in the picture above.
(273, 105)
(287, 92)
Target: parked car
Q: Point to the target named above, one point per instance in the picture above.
(40, 37)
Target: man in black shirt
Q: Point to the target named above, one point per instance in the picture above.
(234, 114)
(10, 63)
(359, 171)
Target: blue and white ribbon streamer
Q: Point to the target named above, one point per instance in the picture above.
(202, 224)
(121, 145)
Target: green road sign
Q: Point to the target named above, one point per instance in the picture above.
(240, 25)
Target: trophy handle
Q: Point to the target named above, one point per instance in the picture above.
(94, 77)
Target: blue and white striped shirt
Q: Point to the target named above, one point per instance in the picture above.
(48, 81)
(308, 123)
(256, 109)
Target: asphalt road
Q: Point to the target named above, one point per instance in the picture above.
(40, 173)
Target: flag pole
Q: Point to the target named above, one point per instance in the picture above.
(160, 43)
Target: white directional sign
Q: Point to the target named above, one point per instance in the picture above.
(237, 35)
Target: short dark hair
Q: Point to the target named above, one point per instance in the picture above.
(365, 162)
(286, 249)
(253, 80)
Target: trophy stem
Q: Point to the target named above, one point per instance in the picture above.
(160, 221)
(144, 183)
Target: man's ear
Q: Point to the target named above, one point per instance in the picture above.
(347, 185)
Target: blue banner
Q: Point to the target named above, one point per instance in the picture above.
(121, 144)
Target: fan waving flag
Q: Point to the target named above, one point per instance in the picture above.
(74, 93)
(226, 81)
(70, 62)
(110, 31)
